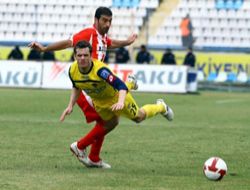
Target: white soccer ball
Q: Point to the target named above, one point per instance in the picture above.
(215, 168)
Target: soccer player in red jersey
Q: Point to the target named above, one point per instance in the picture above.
(97, 36)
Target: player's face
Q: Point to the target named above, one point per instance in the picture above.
(103, 24)
(83, 57)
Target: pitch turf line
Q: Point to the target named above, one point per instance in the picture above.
(229, 101)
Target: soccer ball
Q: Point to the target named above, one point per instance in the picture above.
(215, 168)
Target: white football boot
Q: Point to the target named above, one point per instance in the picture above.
(99, 164)
(169, 114)
(80, 154)
(132, 79)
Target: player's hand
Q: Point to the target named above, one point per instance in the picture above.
(132, 38)
(117, 106)
(37, 46)
(67, 111)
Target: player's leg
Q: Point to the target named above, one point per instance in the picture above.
(95, 137)
(93, 160)
(151, 110)
(132, 111)
(97, 144)
(169, 113)
(90, 113)
(85, 103)
(97, 132)
(79, 147)
(95, 150)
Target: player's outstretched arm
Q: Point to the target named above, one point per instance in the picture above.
(122, 43)
(51, 47)
(73, 98)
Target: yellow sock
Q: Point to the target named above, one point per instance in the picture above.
(153, 109)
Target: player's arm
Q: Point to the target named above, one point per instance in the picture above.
(73, 98)
(121, 100)
(51, 47)
(117, 83)
(122, 43)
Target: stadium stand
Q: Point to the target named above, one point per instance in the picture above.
(22, 21)
(231, 77)
(211, 77)
(242, 77)
(217, 23)
(224, 77)
(222, 24)
(221, 77)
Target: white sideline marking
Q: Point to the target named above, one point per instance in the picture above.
(228, 101)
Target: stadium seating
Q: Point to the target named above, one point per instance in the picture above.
(50, 20)
(217, 23)
(125, 3)
(228, 4)
(231, 77)
(242, 77)
(220, 4)
(221, 77)
(211, 77)
(224, 77)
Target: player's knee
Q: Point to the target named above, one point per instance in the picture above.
(137, 120)
(140, 117)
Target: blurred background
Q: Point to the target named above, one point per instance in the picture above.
(210, 37)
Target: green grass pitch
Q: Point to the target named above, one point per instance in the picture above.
(154, 155)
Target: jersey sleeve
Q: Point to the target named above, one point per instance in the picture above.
(82, 35)
(113, 80)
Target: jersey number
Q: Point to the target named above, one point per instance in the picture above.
(133, 109)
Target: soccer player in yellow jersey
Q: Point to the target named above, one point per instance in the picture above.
(109, 95)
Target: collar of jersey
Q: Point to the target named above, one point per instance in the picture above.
(85, 73)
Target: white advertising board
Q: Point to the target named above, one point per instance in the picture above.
(155, 78)
(20, 74)
(55, 75)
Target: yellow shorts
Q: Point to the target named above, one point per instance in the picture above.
(103, 108)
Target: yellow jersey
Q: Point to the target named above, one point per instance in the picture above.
(103, 88)
(99, 83)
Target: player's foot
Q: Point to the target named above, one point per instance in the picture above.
(132, 79)
(169, 114)
(99, 164)
(80, 154)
